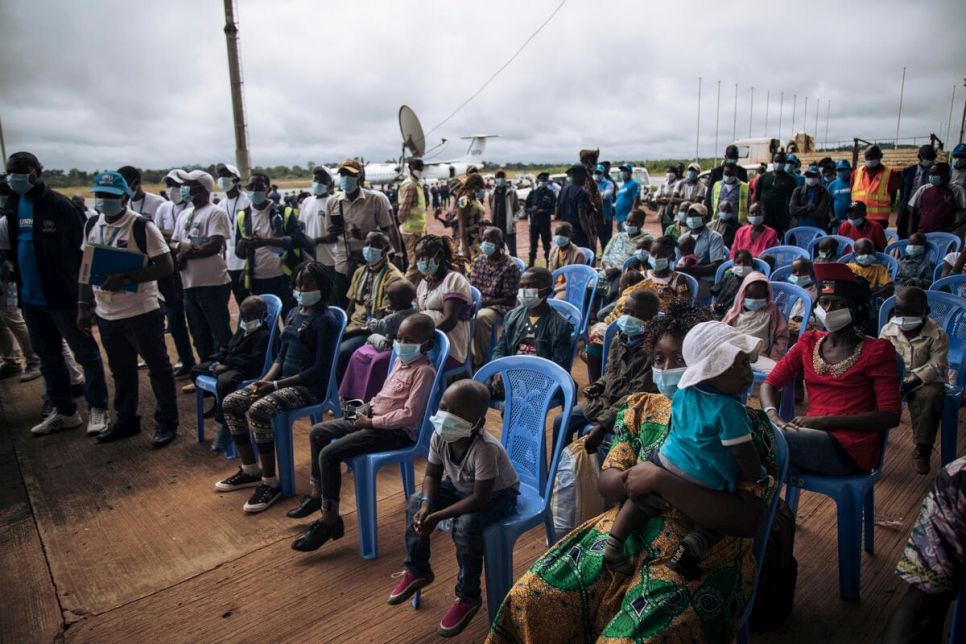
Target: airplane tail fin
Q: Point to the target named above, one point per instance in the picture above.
(474, 154)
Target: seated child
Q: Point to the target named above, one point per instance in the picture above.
(827, 251)
(385, 324)
(725, 222)
(914, 268)
(954, 263)
(480, 487)
(241, 360)
(641, 252)
(724, 292)
(299, 377)
(686, 247)
(924, 348)
(755, 314)
(563, 253)
(629, 278)
(802, 275)
(875, 276)
(709, 443)
(390, 421)
(679, 226)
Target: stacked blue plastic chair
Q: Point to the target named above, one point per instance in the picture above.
(955, 283)
(802, 236)
(209, 383)
(532, 385)
(854, 497)
(364, 468)
(467, 366)
(784, 255)
(946, 242)
(949, 312)
(845, 245)
(761, 539)
(283, 421)
(898, 249)
(580, 289)
(759, 265)
(880, 258)
(589, 255)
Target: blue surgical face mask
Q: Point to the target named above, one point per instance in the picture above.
(681, 216)
(487, 248)
(926, 163)
(480, 194)
(257, 198)
(319, 189)
(789, 167)
(754, 305)
(915, 251)
(598, 177)
(450, 427)
(811, 182)
(658, 264)
(108, 207)
(307, 298)
(756, 221)
(348, 184)
(428, 268)
(570, 179)
(632, 230)
(934, 180)
(692, 175)
(729, 179)
(800, 280)
(372, 255)
(561, 241)
(725, 215)
(406, 352)
(641, 255)
(864, 260)
(226, 183)
(630, 326)
(666, 380)
(185, 193)
(625, 176)
(695, 222)
(19, 183)
(843, 175)
(529, 297)
(778, 167)
(500, 182)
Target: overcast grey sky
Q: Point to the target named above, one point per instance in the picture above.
(100, 84)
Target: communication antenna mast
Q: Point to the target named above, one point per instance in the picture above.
(242, 159)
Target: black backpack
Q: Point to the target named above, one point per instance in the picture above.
(779, 574)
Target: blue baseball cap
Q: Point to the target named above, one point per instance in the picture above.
(600, 168)
(960, 150)
(627, 167)
(111, 183)
(812, 170)
(791, 158)
(843, 165)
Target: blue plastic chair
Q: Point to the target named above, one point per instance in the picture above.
(283, 421)
(854, 496)
(780, 274)
(520, 264)
(784, 295)
(955, 283)
(581, 287)
(784, 255)
(880, 258)
(534, 384)
(845, 245)
(605, 349)
(589, 255)
(891, 236)
(209, 383)
(727, 251)
(949, 312)
(467, 366)
(692, 285)
(365, 467)
(947, 242)
(898, 249)
(760, 265)
(761, 539)
(802, 236)
(628, 262)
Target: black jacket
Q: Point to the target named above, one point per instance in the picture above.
(58, 233)
(907, 188)
(716, 175)
(245, 353)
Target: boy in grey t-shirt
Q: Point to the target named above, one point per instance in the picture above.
(480, 487)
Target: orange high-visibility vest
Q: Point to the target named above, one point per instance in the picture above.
(873, 192)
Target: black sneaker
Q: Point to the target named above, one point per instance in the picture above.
(238, 481)
(265, 495)
(685, 564)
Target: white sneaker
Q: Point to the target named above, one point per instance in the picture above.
(96, 421)
(57, 422)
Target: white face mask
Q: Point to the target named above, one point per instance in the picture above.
(907, 323)
(250, 326)
(833, 320)
(529, 297)
(740, 270)
(417, 173)
(872, 163)
(174, 194)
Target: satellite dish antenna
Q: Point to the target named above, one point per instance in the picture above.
(412, 132)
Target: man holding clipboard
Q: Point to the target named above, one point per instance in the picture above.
(124, 256)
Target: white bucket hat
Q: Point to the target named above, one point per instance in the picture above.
(710, 348)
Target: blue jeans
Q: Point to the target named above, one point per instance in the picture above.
(812, 451)
(48, 330)
(206, 308)
(467, 536)
(179, 332)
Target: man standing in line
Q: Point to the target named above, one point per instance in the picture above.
(876, 186)
(573, 206)
(128, 314)
(505, 210)
(731, 159)
(734, 191)
(840, 191)
(411, 213)
(607, 192)
(229, 180)
(199, 235)
(313, 217)
(143, 203)
(910, 180)
(774, 191)
(540, 206)
(44, 234)
(628, 196)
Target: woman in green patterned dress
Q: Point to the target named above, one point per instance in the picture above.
(569, 595)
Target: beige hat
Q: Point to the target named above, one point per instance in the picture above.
(200, 176)
(710, 348)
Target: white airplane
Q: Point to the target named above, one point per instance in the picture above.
(383, 173)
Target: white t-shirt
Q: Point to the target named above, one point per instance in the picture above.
(313, 218)
(267, 258)
(147, 206)
(950, 259)
(167, 215)
(196, 226)
(233, 207)
(368, 212)
(124, 304)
